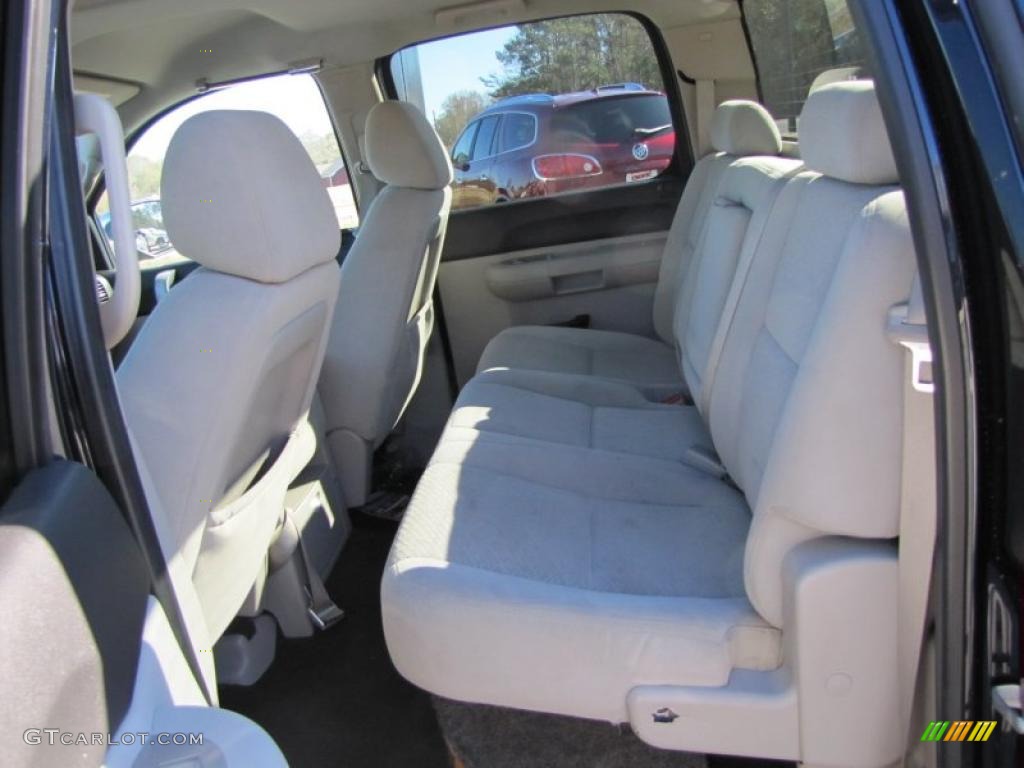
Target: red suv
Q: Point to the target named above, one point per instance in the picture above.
(538, 144)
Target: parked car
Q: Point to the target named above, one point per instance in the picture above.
(147, 216)
(538, 144)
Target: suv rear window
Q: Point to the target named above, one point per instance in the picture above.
(544, 108)
(621, 119)
(795, 41)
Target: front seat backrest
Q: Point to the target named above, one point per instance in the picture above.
(385, 310)
(217, 386)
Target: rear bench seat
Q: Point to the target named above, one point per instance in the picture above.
(738, 129)
(565, 552)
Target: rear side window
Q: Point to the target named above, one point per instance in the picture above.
(553, 107)
(616, 120)
(295, 99)
(794, 43)
(518, 130)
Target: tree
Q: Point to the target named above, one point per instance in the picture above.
(793, 43)
(575, 54)
(457, 110)
(144, 176)
(322, 149)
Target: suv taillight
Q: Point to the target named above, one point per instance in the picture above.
(565, 166)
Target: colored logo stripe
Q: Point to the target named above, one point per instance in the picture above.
(959, 730)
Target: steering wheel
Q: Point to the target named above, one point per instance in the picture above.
(95, 115)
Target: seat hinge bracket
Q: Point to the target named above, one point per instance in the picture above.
(913, 337)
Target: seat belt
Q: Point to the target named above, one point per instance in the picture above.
(751, 243)
(918, 504)
(322, 611)
(705, 109)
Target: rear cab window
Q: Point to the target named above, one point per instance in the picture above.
(545, 108)
(797, 44)
(295, 99)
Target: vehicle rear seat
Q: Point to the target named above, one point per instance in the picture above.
(598, 576)
(738, 129)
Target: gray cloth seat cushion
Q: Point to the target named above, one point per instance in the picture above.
(646, 363)
(559, 559)
(579, 411)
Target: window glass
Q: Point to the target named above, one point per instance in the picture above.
(517, 130)
(295, 99)
(563, 106)
(464, 146)
(795, 42)
(485, 138)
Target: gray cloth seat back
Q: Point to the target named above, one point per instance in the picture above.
(385, 311)
(217, 386)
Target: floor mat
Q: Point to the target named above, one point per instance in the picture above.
(335, 699)
(492, 737)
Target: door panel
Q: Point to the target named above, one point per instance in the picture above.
(73, 597)
(612, 281)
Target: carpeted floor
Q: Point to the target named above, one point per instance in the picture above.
(335, 699)
(491, 737)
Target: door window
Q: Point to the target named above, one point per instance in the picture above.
(296, 99)
(485, 138)
(564, 105)
(464, 146)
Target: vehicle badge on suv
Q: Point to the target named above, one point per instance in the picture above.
(641, 151)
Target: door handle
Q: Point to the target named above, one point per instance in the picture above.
(483, 177)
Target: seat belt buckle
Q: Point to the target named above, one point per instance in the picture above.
(914, 338)
(324, 617)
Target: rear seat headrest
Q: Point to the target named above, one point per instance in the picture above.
(402, 149)
(843, 135)
(241, 196)
(741, 127)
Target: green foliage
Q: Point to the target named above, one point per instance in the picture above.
(793, 43)
(144, 177)
(322, 149)
(457, 110)
(575, 54)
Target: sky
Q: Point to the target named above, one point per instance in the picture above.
(458, 63)
(295, 99)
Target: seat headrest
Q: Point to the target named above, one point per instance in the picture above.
(241, 196)
(843, 135)
(741, 128)
(402, 149)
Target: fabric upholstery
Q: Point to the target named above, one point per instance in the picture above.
(623, 357)
(742, 128)
(563, 549)
(217, 385)
(241, 196)
(385, 312)
(403, 150)
(842, 134)
(221, 375)
(510, 545)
